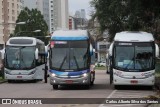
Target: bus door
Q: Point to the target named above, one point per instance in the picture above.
(40, 65)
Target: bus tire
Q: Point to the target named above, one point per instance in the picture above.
(10, 81)
(87, 86)
(55, 87)
(116, 86)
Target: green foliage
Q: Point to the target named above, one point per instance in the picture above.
(34, 21)
(127, 15)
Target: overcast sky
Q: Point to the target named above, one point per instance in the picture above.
(75, 5)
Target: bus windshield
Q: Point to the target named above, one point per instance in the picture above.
(134, 56)
(20, 57)
(69, 55)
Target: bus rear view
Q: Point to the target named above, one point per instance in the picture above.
(70, 59)
(133, 59)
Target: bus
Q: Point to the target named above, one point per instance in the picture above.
(132, 57)
(70, 58)
(24, 59)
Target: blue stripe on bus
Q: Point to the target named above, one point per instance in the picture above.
(60, 73)
(69, 38)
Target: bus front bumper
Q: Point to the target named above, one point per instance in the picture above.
(69, 81)
(150, 81)
(19, 77)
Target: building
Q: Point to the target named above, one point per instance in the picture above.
(81, 23)
(77, 14)
(41, 5)
(71, 22)
(31, 4)
(10, 10)
(55, 12)
(59, 15)
(80, 14)
(102, 49)
(83, 14)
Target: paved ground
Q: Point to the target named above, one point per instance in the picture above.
(101, 89)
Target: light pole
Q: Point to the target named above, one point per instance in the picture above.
(27, 32)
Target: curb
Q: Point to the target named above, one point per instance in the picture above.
(1, 82)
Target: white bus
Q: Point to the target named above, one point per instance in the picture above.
(132, 58)
(24, 59)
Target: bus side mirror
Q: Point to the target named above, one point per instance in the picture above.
(36, 54)
(2, 52)
(110, 49)
(46, 51)
(91, 50)
(157, 51)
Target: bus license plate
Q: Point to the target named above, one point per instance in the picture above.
(69, 81)
(134, 81)
(19, 76)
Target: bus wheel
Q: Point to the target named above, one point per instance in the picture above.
(55, 87)
(116, 86)
(87, 86)
(10, 81)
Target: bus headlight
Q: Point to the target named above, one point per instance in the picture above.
(148, 74)
(32, 72)
(118, 73)
(7, 72)
(85, 75)
(52, 75)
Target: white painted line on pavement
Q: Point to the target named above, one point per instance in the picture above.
(109, 96)
(121, 105)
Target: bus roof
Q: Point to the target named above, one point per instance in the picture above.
(70, 35)
(23, 41)
(129, 36)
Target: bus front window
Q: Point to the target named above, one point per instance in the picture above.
(78, 58)
(69, 55)
(20, 57)
(124, 59)
(135, 56)
(144, 57)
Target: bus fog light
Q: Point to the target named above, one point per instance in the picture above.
(84, 81)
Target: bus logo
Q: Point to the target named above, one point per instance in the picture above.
(134, 77)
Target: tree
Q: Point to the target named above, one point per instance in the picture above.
(34, 21)
(127, 15)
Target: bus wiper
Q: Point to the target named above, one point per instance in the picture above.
(62, 62)
(128, 64)
(76, 62)
(21, 57)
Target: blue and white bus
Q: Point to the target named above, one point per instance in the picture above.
(132, 57)
(24, 59)
(70, 58)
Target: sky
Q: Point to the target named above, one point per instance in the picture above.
(75, 5)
